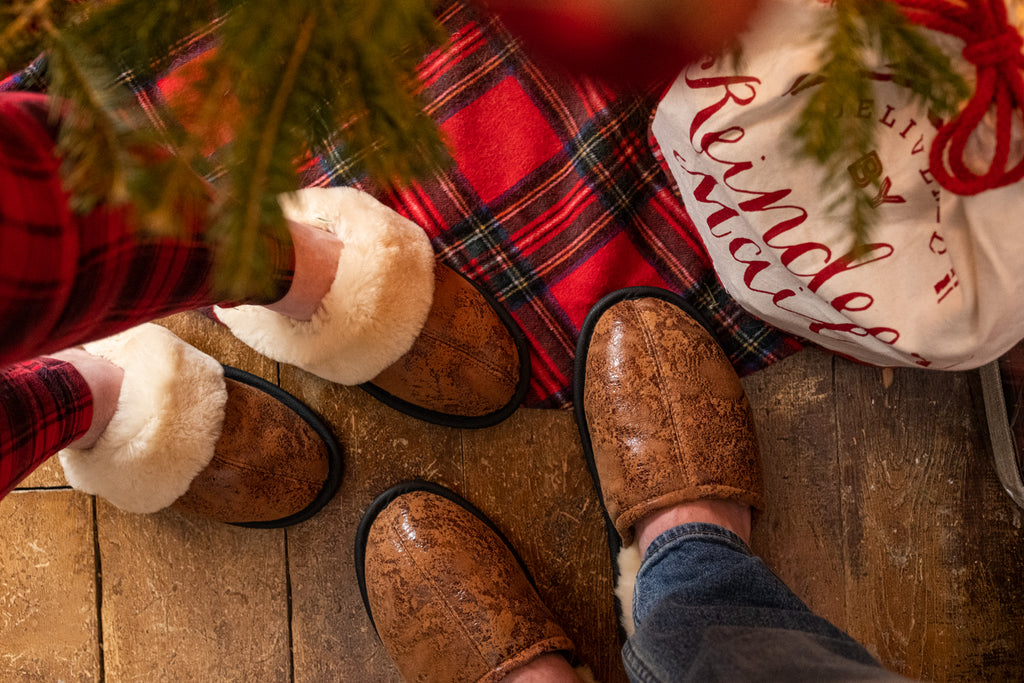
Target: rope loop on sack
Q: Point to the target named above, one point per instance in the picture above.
(993, 47)
(991, 52)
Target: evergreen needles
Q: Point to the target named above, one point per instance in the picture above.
(287, 80)
(302, 77)
(834, 140)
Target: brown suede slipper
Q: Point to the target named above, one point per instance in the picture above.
(211, 440)
(275, 464)
(414, 333)
(661, 413)
(470, 365)
(448, 596)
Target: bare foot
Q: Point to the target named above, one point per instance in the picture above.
(725, 513)
(548, 668)
(104, 380)
(316, 264)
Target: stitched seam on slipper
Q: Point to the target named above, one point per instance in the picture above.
(454, 615)
(494, 370)
(656, 357)
(259, 470)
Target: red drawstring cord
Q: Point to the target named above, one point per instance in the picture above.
(993, 46)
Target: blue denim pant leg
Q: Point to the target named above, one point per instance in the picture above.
(706, 609)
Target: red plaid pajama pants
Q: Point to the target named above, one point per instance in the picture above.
(66, 279)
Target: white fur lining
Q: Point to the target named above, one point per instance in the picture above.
(169, 416)
(629, 567)
(377, 304)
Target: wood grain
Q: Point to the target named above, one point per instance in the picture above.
(332, 636)
(799, 535)
(48, 475)
(48, 610)
(883, 513)
(189, 599)
(927, 530)
(186, 599)
(214, 339)
(529, 476)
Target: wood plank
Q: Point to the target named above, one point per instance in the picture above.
(934, 547)
(332, 636)
(186, 599)
(215, 340)
(48, 612)
(800, 533)
(48, 475)
(529, 476)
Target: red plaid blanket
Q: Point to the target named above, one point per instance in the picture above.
(555, 198)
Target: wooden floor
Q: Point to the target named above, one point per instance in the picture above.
(885, 516)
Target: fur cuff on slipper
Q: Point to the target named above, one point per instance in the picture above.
(168, 420)
(377, 305)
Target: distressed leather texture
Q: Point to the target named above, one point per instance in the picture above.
(268, 462)
(668, 420)
(464, 361)
(447, 596)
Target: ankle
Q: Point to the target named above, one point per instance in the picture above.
(104, 380)
(316, 264)
(730, 514)
(548, 668)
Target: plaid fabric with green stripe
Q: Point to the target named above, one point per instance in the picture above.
(554, 200)
(555, 197)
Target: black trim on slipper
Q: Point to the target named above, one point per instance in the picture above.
(464, 421)
(334, 469)
(578, 381)
(383, 500)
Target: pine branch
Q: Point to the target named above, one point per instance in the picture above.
(286, 79)
(294, 101)
(249, 215)
(145, 34)
(375, 106)
(180, 176)
(835, 141)
(22, 30)
(93, 134)
(920, 65)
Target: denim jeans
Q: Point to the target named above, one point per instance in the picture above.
(706, 609)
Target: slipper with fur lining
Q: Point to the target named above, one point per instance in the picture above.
(376, 305)
(626, 559)
(191, 434)
(412, 332)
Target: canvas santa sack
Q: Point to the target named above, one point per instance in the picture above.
(940, 282)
